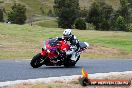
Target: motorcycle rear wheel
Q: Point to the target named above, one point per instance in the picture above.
(37, 61)
(70, 63)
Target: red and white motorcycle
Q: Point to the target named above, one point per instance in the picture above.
(54, 54)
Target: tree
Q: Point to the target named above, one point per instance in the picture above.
(124, 9)
(80, 24)
(105, 25)
(67, 12)
(106, 11)
(94, 15)
(113, 19)
(121, 24)
(1, 15)
(18, 14)
(100, 15)
(57, 6)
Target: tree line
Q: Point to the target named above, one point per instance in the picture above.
(100, 15)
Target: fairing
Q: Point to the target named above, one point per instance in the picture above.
(53, 46)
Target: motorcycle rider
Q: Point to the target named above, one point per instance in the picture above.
(74, 42)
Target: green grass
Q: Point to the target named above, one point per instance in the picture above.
(24, 41)
(47, 23)
(117, 39)
(33, 6)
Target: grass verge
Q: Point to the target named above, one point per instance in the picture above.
(24, 41)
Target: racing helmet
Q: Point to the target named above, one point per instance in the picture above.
(67, 33)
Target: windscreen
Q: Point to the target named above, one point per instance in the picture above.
(53, 42)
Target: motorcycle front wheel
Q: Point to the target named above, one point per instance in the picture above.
(37, 61)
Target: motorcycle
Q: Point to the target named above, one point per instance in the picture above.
(54, 54)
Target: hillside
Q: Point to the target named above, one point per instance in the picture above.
(35, 7)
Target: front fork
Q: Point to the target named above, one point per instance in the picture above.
(43, 52)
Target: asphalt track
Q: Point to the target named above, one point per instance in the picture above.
(11, 70)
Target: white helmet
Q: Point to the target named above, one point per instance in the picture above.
(67, 33)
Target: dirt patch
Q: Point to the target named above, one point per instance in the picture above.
(102, 50)
(97, 51)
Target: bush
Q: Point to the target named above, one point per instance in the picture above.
(105, 25)
(129, 27)
(121, 24)
(90, 26)
(1, 1)
(80, 24)
(18, 14)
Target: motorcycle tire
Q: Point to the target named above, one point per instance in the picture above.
(36, 61)
(69, 63)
